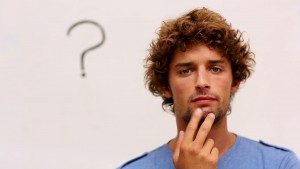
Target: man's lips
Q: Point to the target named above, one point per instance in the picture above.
(204, 99)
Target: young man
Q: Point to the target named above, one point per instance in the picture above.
(196, 65)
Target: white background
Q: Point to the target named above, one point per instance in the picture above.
(51, 118)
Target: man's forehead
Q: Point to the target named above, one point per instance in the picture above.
(206, 54)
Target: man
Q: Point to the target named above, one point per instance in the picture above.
(196, 65)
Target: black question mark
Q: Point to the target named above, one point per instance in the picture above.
(91, 48)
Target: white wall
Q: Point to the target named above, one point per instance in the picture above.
(52, 118)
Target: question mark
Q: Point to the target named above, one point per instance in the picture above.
(91, 48)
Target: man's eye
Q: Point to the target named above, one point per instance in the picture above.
(215, 69)
(185, 71)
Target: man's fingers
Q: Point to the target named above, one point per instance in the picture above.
(205, 129)
(208, 146)
(177, 148)
(193, 125)
(215, 153)
(193, 144)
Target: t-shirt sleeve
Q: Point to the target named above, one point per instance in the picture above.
(291, 161)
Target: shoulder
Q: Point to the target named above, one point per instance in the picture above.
(133, 161)
(269, 153)
(262, 146)
(160, 157)
(286, 157)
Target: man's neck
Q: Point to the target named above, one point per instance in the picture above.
(223, 139)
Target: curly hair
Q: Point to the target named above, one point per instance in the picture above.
(200, 26)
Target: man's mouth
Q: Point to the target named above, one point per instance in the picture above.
(203, 99)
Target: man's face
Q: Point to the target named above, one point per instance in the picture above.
(200, 78)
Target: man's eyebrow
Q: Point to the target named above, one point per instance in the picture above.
(216, 61)
(187, 64)
(183, 64)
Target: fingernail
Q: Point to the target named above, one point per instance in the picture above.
(198, 111)
(211, 114)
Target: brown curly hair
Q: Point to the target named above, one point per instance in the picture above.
(200, 26)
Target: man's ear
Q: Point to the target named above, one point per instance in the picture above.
(235, 87)
(167, 92)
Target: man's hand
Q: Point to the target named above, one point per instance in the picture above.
(193, 149)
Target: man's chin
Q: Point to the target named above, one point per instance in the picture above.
(187, 119)
(219, 114)
(205, 111)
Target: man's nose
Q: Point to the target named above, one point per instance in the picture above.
(202, 79)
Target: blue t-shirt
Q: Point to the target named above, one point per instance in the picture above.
(244, 154)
